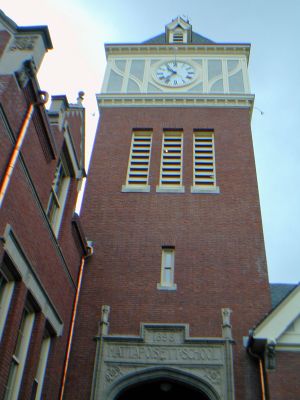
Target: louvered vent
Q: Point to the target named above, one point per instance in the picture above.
(138, 167)
(178, 37)
(204, 159)
(171, 160)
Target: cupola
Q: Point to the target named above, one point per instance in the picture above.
(179, 31)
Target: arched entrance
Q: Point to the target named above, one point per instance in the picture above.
(161, 389)
(161, 383)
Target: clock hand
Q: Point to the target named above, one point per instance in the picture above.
(171, 70)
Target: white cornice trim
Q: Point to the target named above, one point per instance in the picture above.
(295, 347)
(172, 100)
(155, 49)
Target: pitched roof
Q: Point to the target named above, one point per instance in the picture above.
(277, 322)
(279, 291)
(196, 39)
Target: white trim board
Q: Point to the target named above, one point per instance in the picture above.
(31, 280)
(277, 324)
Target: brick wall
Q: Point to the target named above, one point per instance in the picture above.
(55, 261)
(220, 258)
(284, 380)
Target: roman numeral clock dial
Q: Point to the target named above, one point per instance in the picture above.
(175, 74)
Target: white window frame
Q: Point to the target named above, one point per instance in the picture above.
(204, 163)
(24, 271)
(171, 164)
(139, 162)
(42, 366)
(167, 269)
(20, 354)
(59, 194)
(6, 293)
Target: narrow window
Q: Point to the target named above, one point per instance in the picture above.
(41, 368)
(20, 354)
(167, 269)
(139, 161)
(7, 284)
(58, 194)
(171, 161)
(204, 161)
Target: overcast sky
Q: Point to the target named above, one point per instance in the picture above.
(79, 28)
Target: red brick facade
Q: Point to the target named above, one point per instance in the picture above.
(284, 380)
(53, 262)
(220, 260)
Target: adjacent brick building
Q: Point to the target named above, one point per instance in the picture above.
(42, 245)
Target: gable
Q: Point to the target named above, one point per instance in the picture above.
(282, 325)
(179, 23)
(291, 337)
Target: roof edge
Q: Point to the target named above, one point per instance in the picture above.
(37, 29)
(212, 44)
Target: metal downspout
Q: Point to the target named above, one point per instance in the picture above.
(71, 332)
(261, 374)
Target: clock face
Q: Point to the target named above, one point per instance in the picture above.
(175, 74)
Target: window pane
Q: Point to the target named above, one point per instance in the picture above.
(19, 357)
(3, 282)
(41, 369)
(58, 194)
(6, 292)
(167, 267)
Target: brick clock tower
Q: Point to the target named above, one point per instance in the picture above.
(178, 275)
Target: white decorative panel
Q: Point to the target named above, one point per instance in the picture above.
(114, 82)
(137, 69)
(153, 89)
(197, 88)
(120, 64)
(133, 87)
(214, 69)
(235, 77)
(232, 65)
(213, 74)
(236, 84)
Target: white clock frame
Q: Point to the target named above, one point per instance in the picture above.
(157, 66)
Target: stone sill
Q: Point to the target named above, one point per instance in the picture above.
(207, 190)
(163, 287)
(170, 189)
(135, 188)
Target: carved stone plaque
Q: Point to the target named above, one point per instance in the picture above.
(165, 351)
(164, 354)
